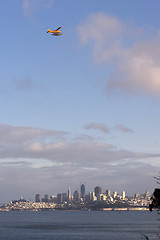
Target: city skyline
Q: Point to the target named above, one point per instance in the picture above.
(82, 193)
(84, 106)
(80, 200)
(93, 201)
(69, 194)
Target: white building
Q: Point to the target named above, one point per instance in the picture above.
(114, 194)
(123, 195)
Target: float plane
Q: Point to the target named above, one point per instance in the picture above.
(56, 32)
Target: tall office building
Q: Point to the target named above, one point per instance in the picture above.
(64, 197)
(123, 195)
(114, 194)
(59, 198)
(97, 191)
(38, 198)
(69, 194)
(76, 196)
(83, 191)
(46, 197)
(92, 197)
(108, 193)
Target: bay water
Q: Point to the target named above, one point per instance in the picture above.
(79, 225)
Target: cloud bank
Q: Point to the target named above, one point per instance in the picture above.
(11, 135)
(42, 158)
(133, 54)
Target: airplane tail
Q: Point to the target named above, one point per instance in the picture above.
(48, 31)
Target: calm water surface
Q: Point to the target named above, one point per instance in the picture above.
(78, 225)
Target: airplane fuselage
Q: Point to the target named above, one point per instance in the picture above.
(54, 32)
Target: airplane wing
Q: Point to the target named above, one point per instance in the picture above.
(58, 28)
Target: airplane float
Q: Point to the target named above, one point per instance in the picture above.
(56, 32)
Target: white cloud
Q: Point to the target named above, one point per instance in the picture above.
(136, 62)
(103, 33)
(123, 128)
(12, 135)
(99, 28)
(80, 154)
(28, 162)
(42, 161)
(138, 70)
(132, 178)
(37, 143)
(29, 6)
(97, 126)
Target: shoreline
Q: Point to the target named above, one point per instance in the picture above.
(76, 210)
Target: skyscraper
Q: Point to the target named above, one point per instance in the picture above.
(108, 193)
(123, 195)
(97, 191)
(83, 191)
(64, 197)
(38, 198)
(59, 198)
(114, 194)
(76, 196)
(69, 194)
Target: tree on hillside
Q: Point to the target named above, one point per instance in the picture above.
(154, 204)
(155, 200)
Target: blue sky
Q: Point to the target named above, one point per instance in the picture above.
(82, 107)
